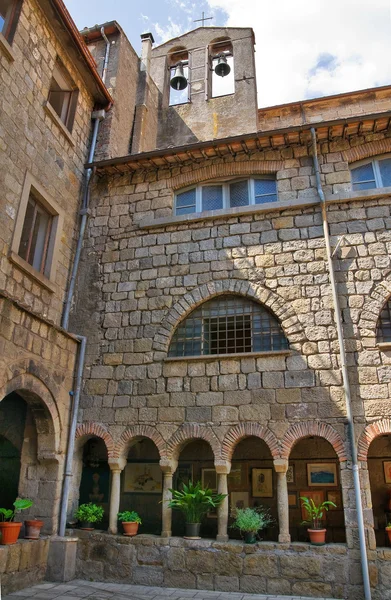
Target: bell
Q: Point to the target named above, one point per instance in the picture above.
(222, 68)
(179, 81)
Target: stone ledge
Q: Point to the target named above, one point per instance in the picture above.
(240, 355)
(27, 268)
(55, 118)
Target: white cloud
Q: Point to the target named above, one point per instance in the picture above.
(292, 36)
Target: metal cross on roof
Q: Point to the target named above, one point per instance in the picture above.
(203, 19)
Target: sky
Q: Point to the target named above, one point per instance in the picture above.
(304, 48)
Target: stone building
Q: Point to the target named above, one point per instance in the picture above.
(206, 293)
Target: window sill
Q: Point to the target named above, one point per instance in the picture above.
(55, 118)
(373, 193)
(27, 268)
(6, 49)
(264, 354)
(384, 345)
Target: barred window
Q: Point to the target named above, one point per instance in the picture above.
(228, 325)
(384, 324)
(371, 174)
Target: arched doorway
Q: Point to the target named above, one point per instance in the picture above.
(252, 483)
(95, 477)
(13, 411)
(314, 472)
(379, 470)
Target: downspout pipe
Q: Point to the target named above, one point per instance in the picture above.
(107, 54)
(71, 435)
(345, 377)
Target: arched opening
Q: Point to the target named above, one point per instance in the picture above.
(252, 483)
(13, 411)
(95, 477)
(314, 473)
(178, 64)
(379, 470)
(142, 484)
(383, 329)
(196, 463)
(221, 52)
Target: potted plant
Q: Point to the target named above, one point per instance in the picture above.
(9, 529)
(88, 514)
(194, 502)
(315, 513)
(33, 529)
(251, 520)
(388, 529)
(130, 521)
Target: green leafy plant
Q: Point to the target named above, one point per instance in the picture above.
(315, 511)
(89, 513)
(129, 516)
(388, 525)
(251, 519)
(194, 501)
(19, 504)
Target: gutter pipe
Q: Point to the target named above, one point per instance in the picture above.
(345, 377)
(107, 54)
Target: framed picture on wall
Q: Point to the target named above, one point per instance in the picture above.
(182, 475)
(262, 483)
(239, 500)
(143, 478)
(335, 496)
(387, 471)
(322, 474)
(237, 478)
(292, 499)
(317, 496)
(209, 479)
(290, 474)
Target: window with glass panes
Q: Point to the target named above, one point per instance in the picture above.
(234, 194)
(373, 174)
(384, 324)
(63, 95)
(228, 325)
(9, 13)
(34, 243)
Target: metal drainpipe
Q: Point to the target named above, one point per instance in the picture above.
(106, 62)
(345, 377)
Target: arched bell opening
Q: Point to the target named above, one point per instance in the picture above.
(314, 473)
(196, 463)
(178, 81)
(221, 61)
(252, 483)
(379, 470)
(142, 484)
(95, 477)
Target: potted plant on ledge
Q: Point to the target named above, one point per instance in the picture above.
(33, 528)
(194, 502)
(315, 514)
(88, 514)
(130, 521)
(388, 530)
(9, 529)
(250, 521)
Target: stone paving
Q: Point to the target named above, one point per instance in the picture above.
(104, 591)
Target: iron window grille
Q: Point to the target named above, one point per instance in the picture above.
(233, 194)
(371, 174)
(384, 324)
(228, 325)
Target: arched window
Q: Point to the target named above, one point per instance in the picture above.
(369, 174)
(384, 324)
(228, 325)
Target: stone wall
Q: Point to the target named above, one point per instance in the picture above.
(23, 564)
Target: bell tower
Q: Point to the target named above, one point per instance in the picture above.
(206, 85)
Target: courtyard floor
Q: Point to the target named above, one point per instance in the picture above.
(103, 591)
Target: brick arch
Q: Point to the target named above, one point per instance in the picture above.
(85, 431)
(371, 432)
(254, 167)
(271, 300)
(243, 430)
(299, 431)
(188, 433)
(374, 302)
(138, 431)
(367, 150)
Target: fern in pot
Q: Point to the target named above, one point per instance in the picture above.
(194, 501)
(250, 521)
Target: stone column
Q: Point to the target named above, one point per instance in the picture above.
(116, 469)
(168, 468)
(281, 467)
(222, 469)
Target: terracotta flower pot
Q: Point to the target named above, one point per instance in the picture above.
(317, 536)
(9, 533)
(130, 528)
(388, 530)
(33, 529)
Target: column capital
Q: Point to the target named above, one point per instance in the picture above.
(223, 467)
(168, 466)
(280, 465)
(117, 464)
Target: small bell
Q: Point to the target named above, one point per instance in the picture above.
(179, 81)
(222, 68)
